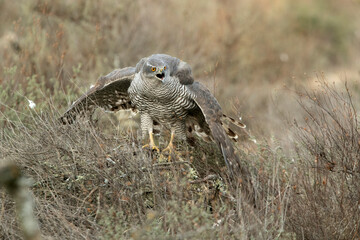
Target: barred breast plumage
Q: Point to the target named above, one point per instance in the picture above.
(166, 102)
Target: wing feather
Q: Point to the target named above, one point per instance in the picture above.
(210, 110)
(109, 92)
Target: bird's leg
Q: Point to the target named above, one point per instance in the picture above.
(151, 144)
(171, 149)
(180, 128)
(147, 129)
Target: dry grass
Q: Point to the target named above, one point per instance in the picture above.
(87, 186)
(327, 201)
(92, 182)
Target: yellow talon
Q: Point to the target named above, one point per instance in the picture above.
(170, 148)
(151, 145)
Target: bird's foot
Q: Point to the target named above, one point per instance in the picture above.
(171, 151)
(152, 147)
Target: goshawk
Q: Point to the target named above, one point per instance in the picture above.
(164, 92)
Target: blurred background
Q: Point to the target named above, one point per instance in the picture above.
(250, 54)
(279, 65)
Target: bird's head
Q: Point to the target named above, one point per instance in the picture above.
(156, 69)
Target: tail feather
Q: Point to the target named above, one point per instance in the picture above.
(233, 121)
(231, 133)
(229, 124)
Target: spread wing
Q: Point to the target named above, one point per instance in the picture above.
(208, 115)
(109, 92)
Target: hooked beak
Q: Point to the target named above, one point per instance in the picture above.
(161, 75)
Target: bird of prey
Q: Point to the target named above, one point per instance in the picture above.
(162, 89)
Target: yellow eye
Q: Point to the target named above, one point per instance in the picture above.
(153, 69)
(164, 68)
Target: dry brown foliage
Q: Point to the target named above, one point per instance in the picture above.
(88, 185)
(326, 204)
